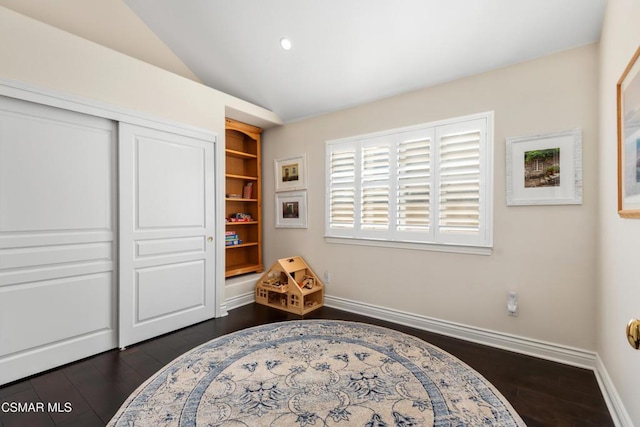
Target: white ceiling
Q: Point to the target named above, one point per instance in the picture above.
(348, 52)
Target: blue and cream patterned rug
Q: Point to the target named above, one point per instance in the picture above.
(316, 373)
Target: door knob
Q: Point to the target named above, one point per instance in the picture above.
(633, 333)
(210, 239)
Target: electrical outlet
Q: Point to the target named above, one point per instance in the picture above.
(327, 276)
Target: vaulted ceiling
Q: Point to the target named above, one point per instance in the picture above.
(344, 52)
(348, 52)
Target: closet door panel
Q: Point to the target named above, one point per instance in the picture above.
(170, 185)
(55, 175)
(61, 316)
(166, 232)
(57, 286)
(158, 294)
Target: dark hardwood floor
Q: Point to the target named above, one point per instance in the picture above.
(544, 393)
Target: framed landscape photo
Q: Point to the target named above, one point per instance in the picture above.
(291, 209)
(291, 173)
(545, 169)
(628, 97)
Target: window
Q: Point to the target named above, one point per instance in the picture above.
(538, 165)
(429, 185)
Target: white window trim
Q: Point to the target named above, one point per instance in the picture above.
(421, 246)
(486, 183)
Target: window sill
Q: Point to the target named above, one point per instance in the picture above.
(434, 247)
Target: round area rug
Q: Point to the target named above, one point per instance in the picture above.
(316, 373)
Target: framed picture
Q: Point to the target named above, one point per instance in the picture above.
(291, 210)
(628, 94)
(545, 169)
(291, 173)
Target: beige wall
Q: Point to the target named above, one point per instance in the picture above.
(545, 253)
(619, 280)
(109, 23)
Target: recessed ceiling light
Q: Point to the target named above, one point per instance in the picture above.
(285, 43)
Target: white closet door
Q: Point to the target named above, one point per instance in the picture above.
(167, 250)
(57, 210)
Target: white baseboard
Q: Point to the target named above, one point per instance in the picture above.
(239, 300)
(243, 285)
(530, 347)
(544, 350)
(617, 410)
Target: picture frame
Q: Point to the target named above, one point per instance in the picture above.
(291, 173)
(291, 209)
(545, 169)
(628, 123)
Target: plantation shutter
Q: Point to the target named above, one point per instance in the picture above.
(375, 201)
(427, 184)
(460, 173)
(413, 184)
(342, 192)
